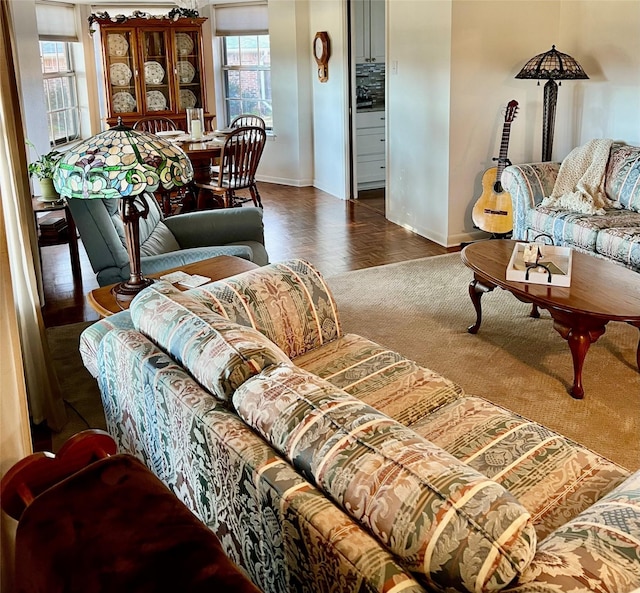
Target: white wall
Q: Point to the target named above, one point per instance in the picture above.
(418, 115)
(330, 117)
(288, 156)
(606, 37)
(484, 65)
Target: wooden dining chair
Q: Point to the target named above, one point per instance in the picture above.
(246, 120)
(237, 168)
(154, 124)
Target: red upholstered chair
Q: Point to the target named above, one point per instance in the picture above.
(91, 521)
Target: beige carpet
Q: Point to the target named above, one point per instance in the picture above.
(422, 308)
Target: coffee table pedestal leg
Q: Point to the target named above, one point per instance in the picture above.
(580, 332)
(638, 350)
(477, 287)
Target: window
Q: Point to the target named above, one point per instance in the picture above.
(60, 92)
(247, 76)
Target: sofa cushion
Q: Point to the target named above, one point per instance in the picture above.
(219, 354)
(622, 180)
(289, 302)
(449, 524)
(386, 380)
(599, 550)
(577, 230)
(552, 476)
(621, 244)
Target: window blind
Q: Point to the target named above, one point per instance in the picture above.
(56, 22)
(241, 19)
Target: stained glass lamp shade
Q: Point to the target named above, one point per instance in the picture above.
(552, 65)
(123, 163)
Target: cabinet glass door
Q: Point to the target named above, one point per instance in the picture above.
(156, 74)
(122, 67)
(188, 69)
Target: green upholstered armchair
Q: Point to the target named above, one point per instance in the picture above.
(165, 243)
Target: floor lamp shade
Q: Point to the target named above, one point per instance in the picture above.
(551, 65)
(121, 163)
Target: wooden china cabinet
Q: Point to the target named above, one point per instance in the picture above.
(152, 67)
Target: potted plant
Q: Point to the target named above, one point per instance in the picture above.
(43, 168)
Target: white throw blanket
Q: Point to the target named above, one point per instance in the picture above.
(579, 186)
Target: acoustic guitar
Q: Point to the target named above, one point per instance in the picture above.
(493, 212)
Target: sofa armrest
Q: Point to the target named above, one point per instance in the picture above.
(527, 184)
(220, 227)
(598, 550)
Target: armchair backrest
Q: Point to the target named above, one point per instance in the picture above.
(102, 232)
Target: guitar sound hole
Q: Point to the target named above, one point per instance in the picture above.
(497, 187)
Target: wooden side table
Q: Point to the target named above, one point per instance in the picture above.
(40, 207)
(104, 302)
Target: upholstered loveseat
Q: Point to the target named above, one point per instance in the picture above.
(326, 463)
(614, 235)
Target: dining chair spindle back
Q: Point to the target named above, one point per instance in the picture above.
(154, 125)
(239, 161)
(246, 120)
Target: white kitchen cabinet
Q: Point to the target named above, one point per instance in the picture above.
(370, 149)
(369, 31)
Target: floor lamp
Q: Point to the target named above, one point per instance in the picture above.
(122, 163)
(551, 66)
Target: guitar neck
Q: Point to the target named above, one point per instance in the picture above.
(504, 146)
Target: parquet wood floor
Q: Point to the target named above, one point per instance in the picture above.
(335, 235)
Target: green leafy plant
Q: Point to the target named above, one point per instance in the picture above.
(45, 165)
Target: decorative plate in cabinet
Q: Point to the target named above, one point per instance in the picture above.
(153, 72)
(156, 101)
(186, 72)
(187, 99)
(123, 102)
(184, 44)
(120, 74)
(117, 44)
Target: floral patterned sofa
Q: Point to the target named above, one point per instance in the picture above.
(325, 462)
(614, 235)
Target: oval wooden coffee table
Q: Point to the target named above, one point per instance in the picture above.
(600, 291)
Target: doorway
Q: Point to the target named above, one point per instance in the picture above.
(367, 101)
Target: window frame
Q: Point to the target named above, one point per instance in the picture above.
(224, 68)
(69, 111)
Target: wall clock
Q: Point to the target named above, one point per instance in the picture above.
(321, 51)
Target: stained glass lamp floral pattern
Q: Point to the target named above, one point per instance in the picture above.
(123, 163)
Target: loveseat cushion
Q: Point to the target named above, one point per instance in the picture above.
(382, 378)
(621, 244)
(599, 550)
(289, 302)
(577, 230)
(553, 477)
(219, 354)
(622, 179)
(450, 525)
